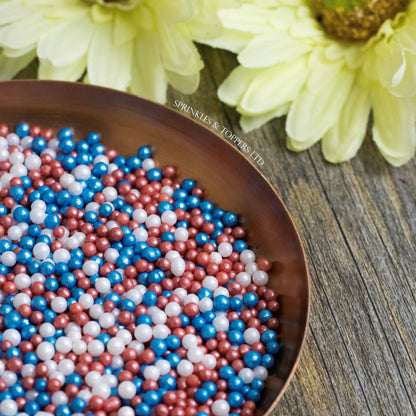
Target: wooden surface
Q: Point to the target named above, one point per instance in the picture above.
(357, 222)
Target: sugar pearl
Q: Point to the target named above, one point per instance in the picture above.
(260, 278)
(195, 354)
(95, 348)
(243, 278)
(161, 331)
(247, 375)
(8, 407)
(45, 351)
(177, 266)
(247, 256)
(251, 335)
(127, 390)
(102, 390)
(220, 408)
(125, 411)
(139, 215)
(210, 282)
(189, 341)
(185, 368)
(63, 344)
(169, 217)
(59, 304)
(221, 323)
(143, 333)
(115, 346)
(172, 309)
(260, 372)
(151, 372)
(205, 305)
(92, 378)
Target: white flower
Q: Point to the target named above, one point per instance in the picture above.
(290, 64)
(136, 45)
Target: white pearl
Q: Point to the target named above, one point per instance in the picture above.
(177, 266)
(33, 162)
(139, 215)
(103, 285)
(143, 333)
(66, 179)
(161, 331)
(221, 323)
(215, 257)
(137, 346)
(247, 375)
(102, 390)
(41, 251)
(251, 267)
(110, 193)
(195, 354)
(189, 341)
(92, 378)
(127, 390)
(181, 292)
(260, 278)
(61, 255)
(243, 278)
(173, 309)
(63, 344)
(163, 367)
(45, 351)
(125, 411)
(153, 221)
(53, 144)
(21, 299)
(115, 346)
(210, 282)
(13, 138)
(209, 361)
(251, 335)
(140, 234)
(59, 304)
(111, 255)
(95, 348)
(82, 172)
(148, 164)
(185, 368)
(8, 258)
(9, 377)
(75, 189)
(92, 206)
(13, 336)
(86, 300)
(220, 408)
(28, 370)
(90, 267)
(221, 291)
(134, 295)
(22, 280)
(59, 398)
(18, 170)
(172, 254)
(225, 249)
(205, 304)
(125, 336)
(58, 375)
(85, 394)
(16, 158)
(5, 179)
(109, 379)
(151, 372)
(190, 298)
(92, 328)
(181, 234)
(14, 233)
(169, 217)
(66, 367)
(8, 407)
(79, 347)
(47, 330)
(247, 256)
(260, 372)
(96, 311)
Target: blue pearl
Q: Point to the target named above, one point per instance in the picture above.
(239, 246)
(208, 332)
(198, 322)
(32, 408)
(17, 192)
(38, 303)
(144, 152)
(210, 387)
(100, 169)
(164, 206)
(142, 409)
(40, 384)
(154, 174)
(192, 201)
(73, 379)
(23, 130)
(12, 320)
(167, 382)
(17, 390)
(226, 372)
(65, 133)
(52, 221)
(66, 145)
(158, 346)
(257, 384)
(143, 319)
(69, 162)
(188, 185)
(68, 280)
(93, 138)
(268, 361)
(268, 335)
(229, 219)
(173, 342)
(272, 347)
(13, 352)
(221, 303)
(3, 210)
(43, 399)
(173, 359)
(201, 396)
(201, 239)
(235, 383)
(30, 358)
(235, 337)
(179, 195)
(235, 399)
(252, 359)
(206, 206)
(253, 395)
(23, 256)
(250, 300)
(237, 325)
(21, 214)
(236, 304)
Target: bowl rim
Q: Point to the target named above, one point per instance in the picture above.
(188, 120)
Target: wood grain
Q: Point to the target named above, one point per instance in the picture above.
(357, 221)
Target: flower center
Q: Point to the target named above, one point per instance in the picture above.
(356, 19)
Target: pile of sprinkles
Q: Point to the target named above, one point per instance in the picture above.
(123, 291)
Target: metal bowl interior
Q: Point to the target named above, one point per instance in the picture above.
(126, 122)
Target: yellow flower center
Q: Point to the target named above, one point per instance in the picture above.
(356, 19)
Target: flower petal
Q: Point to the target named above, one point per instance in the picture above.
(25, 32)
(274, 87)
(71, 72)
(407, 86)
(311, 115)
(250, 123)
(125, 26)
(230, 40)
(247, 18)
(179, 54)
(186, 84)
(11, 11)
(233, 88)
(148, 76)
(9, 67)
(175, 11)
(394, 129)
(282, 17)
(271, 48)
(109, 66)
(68, 42)
(343, 140)
(391, 64)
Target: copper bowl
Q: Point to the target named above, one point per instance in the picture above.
(127, 122)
